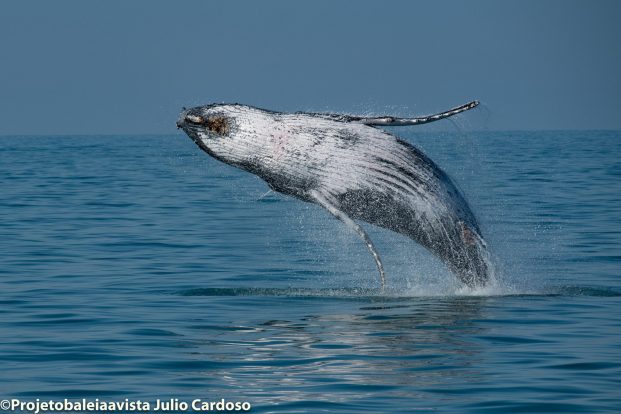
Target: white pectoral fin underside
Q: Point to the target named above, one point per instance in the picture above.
(327, 201)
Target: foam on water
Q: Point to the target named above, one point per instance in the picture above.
(388, 294)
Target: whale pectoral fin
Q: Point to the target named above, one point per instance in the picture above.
(326, 201)
(394, 121)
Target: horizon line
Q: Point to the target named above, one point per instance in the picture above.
(162, 134)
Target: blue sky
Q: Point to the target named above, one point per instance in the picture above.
(106, 67)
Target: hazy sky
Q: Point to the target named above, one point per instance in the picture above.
(129, 66)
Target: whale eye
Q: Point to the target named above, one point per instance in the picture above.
(218, 124)
(195, 119)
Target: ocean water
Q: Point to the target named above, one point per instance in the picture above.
(138, 267)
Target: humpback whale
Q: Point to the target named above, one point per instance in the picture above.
(355, 170)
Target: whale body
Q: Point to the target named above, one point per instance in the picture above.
(355, 170)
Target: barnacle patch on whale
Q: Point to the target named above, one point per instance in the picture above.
(218, 124)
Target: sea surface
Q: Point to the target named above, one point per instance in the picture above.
(138, 267)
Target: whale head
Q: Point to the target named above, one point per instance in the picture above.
(265, 143)
(214, 129)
